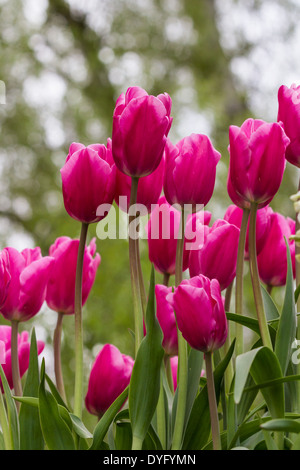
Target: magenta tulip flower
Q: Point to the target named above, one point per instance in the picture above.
(190, 170)
(272, 260)
(166, 320)
(110, 375)
(29, 272)
(257, 160)
(5, 276)
(289, 115)
(88, 181)
(234, 215)
(216, 258)
(162, 234)
(61, 285)
(200, 313)
(23, 352)
(174, 370)
(149, 189)
(141, 123)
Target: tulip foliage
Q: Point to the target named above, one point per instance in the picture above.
(193, 382)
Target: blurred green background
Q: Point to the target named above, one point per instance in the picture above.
(62, 66)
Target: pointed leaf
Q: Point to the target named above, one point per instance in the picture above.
(12, 413)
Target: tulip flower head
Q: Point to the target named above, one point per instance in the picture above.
(216, 258)
(200, 313)
(5, 276)
(272, 260)
(257, 160)
(234, 215)
(88, 181)
(141, 123)
(29, 272)
(61, 285)
(23, 352)
(110, 375)
(166, 320)
(190, 170)
(289, 115)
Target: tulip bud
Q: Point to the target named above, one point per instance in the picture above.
(234, 215)
(23, 352)
(216, 258)
(190, 170)
(257, 160)
(29, 272)
(166, 320)
(61, 285)
(88, 181)
(110, 375)
(289, 115)
(272, 260)
(141, 123)
(200, 313)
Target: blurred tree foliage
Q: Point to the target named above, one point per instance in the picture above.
(64, 63)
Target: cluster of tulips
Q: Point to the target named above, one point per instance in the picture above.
(191, 383)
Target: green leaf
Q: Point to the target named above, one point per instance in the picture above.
(271, 309)
(145, 379)
(31, 437)
(12, 413)
(106, 420)
(250, 323)
(286, 331)
(285, 425)
(263, 366)
(123, 435)
(198, 427)
(56, 432)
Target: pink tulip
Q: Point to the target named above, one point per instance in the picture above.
(110, 375)
(166, 320)
(216, 258)
(2, 352)
(61, 285)
(200, 313)
(88, 181)
(174, 369)
(272, 260)
(5, 276)
(289, 115)
(149, 189)
(190, 170)
(141, 123)
(257, 160)
(23, 352)
(29, 272)
(162, 232)
(234, 215)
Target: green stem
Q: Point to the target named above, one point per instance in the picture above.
(262, 321)
(5, 425)
(239, 281)
(166, 279)
(161, 416)
(229, 369)
(134, 268)
(213, 408)
(137, 443)
(15, 361)
(57, 356)
(78, 393)
(182, 350)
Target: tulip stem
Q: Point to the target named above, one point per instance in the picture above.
(161, 415)
(15, 361)
(213, 407)
(182, 348)
(134, 267)
(262, 321)
(166, 279)
(57, 356)
(78, 394)
(240, 280)
(229, 370)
